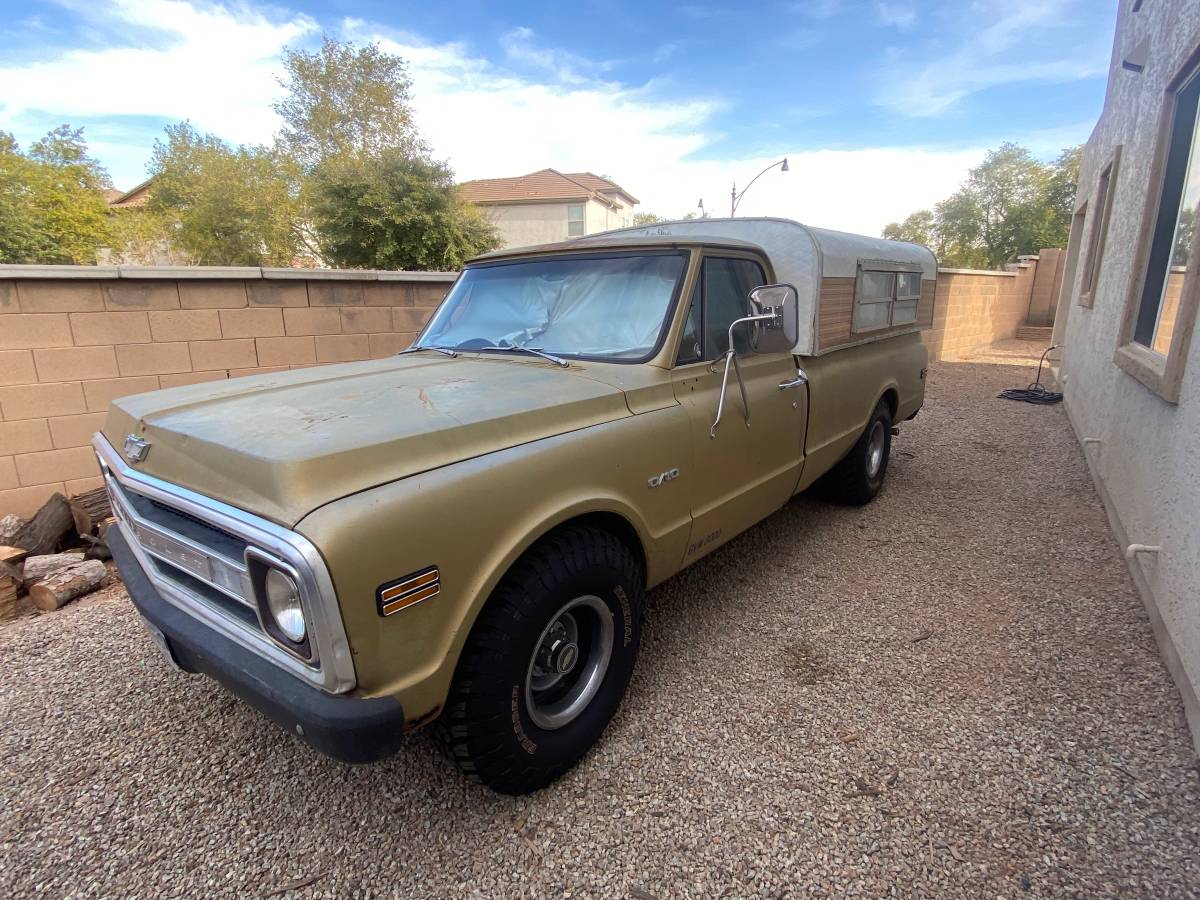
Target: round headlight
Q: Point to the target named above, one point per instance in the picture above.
(283, 600)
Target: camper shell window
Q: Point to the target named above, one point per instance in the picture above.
(887, 294)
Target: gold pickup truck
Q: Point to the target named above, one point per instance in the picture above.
(467, 530)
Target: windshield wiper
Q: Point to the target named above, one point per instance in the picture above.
(414, 349)
(536, 351)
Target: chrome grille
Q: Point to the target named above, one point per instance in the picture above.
(194, 551)
(190, 553)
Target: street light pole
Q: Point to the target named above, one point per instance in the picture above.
(735, 198)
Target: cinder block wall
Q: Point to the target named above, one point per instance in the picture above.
(72, 338)
(973, 309)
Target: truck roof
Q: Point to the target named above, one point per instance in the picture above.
(607, 240)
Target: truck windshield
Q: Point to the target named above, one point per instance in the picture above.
(606, 307)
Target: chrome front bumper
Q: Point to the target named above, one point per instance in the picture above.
(193, 550)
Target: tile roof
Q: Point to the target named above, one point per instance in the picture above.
(600, 183)
(135, 196)
(545, 184)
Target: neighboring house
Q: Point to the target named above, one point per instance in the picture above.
(138, 196)
(1130, 368)
(550, 206)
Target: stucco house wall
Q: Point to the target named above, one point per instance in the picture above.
(1140, 446)
(602, 218)
(526, 224)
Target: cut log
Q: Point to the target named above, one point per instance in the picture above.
(12, 554)
(57, 590)
(44, 532)
(9, 526)
(39, 567)
(89, 509)
(10, 582)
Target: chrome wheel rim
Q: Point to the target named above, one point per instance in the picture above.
(875, 446)
(569, 662)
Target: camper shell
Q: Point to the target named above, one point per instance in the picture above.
(852, 289)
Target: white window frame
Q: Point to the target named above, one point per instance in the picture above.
(581, 221)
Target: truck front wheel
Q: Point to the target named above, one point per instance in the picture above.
(547, 662)
(858, 477)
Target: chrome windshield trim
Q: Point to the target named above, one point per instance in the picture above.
(332, 649)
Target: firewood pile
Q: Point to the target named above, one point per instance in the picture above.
(55, 557)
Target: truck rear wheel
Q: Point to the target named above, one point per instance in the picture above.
(548, 661)
(858, 477)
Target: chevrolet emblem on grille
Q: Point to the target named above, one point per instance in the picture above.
(136, 448)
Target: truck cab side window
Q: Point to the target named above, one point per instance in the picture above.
(727, 286)
(722, 295)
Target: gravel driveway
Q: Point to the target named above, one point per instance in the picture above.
(953, 691)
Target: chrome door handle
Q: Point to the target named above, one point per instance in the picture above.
(799, 381)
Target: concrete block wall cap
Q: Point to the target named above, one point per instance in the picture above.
(9, 271)
(418, 276)
(17, 270)
(322, 274)
(179, 273)
(976, 272)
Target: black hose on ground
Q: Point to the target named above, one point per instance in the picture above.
(1036, 392)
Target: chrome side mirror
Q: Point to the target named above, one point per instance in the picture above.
(780, 301)
(776, 325)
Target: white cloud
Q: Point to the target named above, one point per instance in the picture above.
(895, 15)
(216, 65)
(1026, 41)
(521, 49)
(490, 123)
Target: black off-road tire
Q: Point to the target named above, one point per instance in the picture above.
(859, 476)
(488, 726)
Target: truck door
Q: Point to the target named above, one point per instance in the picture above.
(747, 470)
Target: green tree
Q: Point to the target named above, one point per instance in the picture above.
(998, 209)
(394, 211)
(344, 102)
(1185, 231)
(647, 218)
(918, 228)
(372, 195)
(1061, 188)
(1011, 204)
(139, 236)
(52, 206)
(223, 205)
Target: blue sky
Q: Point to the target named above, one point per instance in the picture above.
(880, 105)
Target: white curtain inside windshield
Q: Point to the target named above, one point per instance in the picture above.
(607, 306)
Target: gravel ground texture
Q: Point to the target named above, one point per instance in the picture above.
(953, 691)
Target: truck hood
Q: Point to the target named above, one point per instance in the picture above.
(280, 445)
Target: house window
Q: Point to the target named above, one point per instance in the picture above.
(1174, 227)
(887, 295)
(1157, 329)
(1099, 233)
(575, 220)
(1075, 250)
